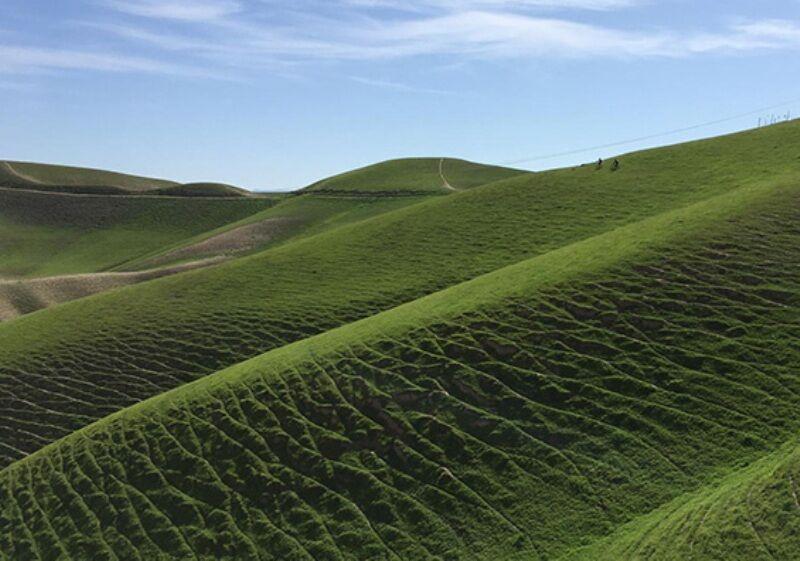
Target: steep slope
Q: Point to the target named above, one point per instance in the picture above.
(66, 367)
(44, 234)
(415, 176)
(517, 416)
(45, 177)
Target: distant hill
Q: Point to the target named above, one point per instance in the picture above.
(200, 190)
(414, 176)
(75, 180)
(46, 177)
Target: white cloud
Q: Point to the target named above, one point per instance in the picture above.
(235, 34)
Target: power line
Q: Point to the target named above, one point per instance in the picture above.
(650, 137)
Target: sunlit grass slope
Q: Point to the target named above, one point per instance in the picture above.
(45, 177)
(66, 367)
(415, 175)
(521, 415)
(44, 234)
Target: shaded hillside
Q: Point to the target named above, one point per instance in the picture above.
(294, 217)
(137, 342)
(43, 234)
(517, 416)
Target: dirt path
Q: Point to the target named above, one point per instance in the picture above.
(444, 179)
(24, 296)
(19, 175)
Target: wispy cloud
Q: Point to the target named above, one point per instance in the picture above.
(182, 10)
(26, 60)
(458, 33)
(420, 5)
(180, 36)
(398, 86)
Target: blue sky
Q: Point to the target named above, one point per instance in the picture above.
(274, 94)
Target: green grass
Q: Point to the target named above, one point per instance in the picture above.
(53, 234)
(298, 216)
(521, 415)
(47, 177)
(750, 515)
(571, 364)
(134, 343)
(414, 175)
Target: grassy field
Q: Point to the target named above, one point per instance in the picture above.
(522, 415)
(578, 364)
(416, 176)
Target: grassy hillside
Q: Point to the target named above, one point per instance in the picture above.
(752, 514)
(66, 367)
(415, 175)
(45, 177)
(44, 234)
(293, 218)
(521, 415)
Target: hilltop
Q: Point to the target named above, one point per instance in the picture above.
(86, 181)
(46, 177)
(414, 176)
(576, 364)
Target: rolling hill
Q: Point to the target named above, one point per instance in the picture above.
(571, 365)
(46, 177)
(45, 234)
(528, 414)
(414, 176)
(127, 345)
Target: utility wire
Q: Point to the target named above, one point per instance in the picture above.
(652, 136)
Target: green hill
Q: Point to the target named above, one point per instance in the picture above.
(527, 414)
(45, 177)
(414, 176)
(129, 345)
(200, 190)
(45, 234)
(293, 218)
(571, 365)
